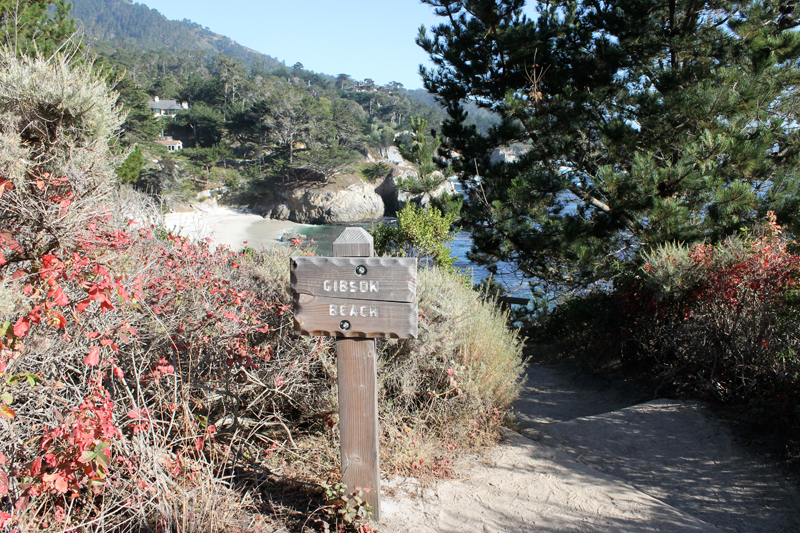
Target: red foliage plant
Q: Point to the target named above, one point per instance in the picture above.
(122, 345)
(721, 317)
(125, 305)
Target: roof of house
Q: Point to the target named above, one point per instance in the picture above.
(169, 142)
(165, 104)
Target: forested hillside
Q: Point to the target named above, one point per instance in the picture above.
(125, 23)
(274, 123)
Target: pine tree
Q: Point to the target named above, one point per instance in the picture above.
(29, 27)
(644, 121)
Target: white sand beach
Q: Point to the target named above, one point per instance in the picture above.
(229, 226)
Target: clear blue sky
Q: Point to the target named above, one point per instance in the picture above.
(362, 38)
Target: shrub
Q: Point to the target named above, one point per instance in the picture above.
(135, 367)
(716, 321)
(421, 184)
(722, 312)
(452, 386)
(57, 124)
(375, 172)
(422, 233)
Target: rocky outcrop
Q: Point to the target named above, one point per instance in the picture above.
(348, 198)
(424, 199)
(394, 199)
(329, 204)
(509, 154)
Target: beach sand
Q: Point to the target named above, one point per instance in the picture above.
(229, 226)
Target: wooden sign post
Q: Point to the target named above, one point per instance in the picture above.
(356, 297)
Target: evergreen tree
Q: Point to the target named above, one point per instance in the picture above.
(643, 121)
(28, 27)
(420, 149)
(128, 171)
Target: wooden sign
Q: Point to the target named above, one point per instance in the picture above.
(355, 297)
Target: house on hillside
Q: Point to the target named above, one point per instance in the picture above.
(172, 145)
(166, 108)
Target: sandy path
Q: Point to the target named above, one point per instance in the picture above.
(523, 487)
(600, 458)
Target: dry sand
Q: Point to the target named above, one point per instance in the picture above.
(592, 456)
(228, 226)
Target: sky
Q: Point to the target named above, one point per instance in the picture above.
(362, 38)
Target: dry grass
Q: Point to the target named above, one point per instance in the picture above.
(450, 388)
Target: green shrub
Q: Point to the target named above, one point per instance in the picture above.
(422, 233)
(375, 171)
(420, 184)
(452, 385)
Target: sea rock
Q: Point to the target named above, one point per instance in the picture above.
(424, 199)
(279, 212)
(334, 205)
(290, 235)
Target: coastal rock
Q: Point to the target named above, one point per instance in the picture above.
(280, 212)
(334, 205)
(395, 199)
(387, 188)
(424, 199)
(290, 235)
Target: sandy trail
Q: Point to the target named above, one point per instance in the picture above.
(594, 455)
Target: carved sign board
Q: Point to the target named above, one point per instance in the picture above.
(355, 297)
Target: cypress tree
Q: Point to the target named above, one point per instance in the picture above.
(642, 122)
(35, 26)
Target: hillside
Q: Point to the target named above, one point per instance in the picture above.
(123, 22)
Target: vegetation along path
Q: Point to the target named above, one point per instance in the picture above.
(599, 455)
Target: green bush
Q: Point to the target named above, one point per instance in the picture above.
(422, 233)
(452, 386)
(375, 171)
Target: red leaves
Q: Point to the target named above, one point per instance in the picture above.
(59, 480)
(21, 327)
(3, 485)
(77, 453)
(140, 419)
(58, 296)
(203, 309)
(93, 358)
(5, 185)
